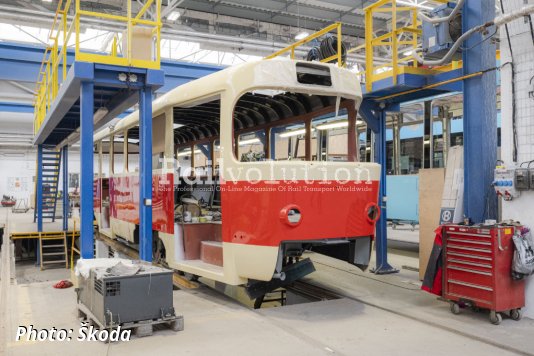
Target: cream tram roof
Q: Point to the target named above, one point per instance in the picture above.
(265, 91)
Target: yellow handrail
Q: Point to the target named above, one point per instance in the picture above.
(392, 40)
(291, 48)
(55, 55)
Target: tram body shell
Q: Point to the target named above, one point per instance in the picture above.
(254, 211)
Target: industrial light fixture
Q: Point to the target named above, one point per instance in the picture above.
(409, 3)
(187, 153)
(173, 16)
(100, 114)
(333, 125)
(175, 126)
(47, 0)
(336, 125)
(249, 142)
(293, 133)
(302, 35)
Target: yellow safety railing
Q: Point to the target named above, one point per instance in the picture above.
(338, 57)
(400, 40)
(64, 24)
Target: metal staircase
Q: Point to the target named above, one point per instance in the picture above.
(49, 167)
(53, 249)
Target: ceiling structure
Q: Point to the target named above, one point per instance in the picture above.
(223, 32)
(256, 27)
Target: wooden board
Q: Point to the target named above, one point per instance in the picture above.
(431, 182)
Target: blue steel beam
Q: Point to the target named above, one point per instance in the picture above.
(15, 107)
(86, 162)
(205, 150)
(21, 62)
(145, 174)
(480, 115)
(69, 94)
(375, 116)
(65, 156)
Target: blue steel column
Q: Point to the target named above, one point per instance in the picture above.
(381, 244)
(145, 174)
(480, 115)
(39, 185)
(65, 156)
(86, 168)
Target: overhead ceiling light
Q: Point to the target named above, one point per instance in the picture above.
(333, 125)
(173, 16)
(188, 153)
(175, 126)
(293, 133)
(302, 35)
(249, 142)
(409, 3)
(100, 114)
(47, 0)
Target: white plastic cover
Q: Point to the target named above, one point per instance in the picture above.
(84, 266)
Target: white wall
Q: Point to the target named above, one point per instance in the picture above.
(522, 208)
(21, 164)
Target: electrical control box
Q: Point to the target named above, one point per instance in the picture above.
(504, 183)
(522, 179)
(439, 38)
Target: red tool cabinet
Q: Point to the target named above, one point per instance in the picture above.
(477, 264)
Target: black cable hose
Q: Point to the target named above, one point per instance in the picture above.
(329, 49)
(314, 54)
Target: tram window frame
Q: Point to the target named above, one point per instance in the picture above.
(299, 121)
(116, 167)
(253, 139)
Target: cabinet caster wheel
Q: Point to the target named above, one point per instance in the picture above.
(455, 308)
(495, 318)
(516, 314)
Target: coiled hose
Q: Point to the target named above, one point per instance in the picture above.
(314, 54)
(327, 49)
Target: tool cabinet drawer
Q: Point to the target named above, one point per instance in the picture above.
(470, 275)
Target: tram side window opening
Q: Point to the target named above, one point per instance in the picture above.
(295, 126)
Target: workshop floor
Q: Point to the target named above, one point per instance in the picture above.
(381, 315)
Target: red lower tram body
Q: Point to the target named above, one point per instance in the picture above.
(265, 226)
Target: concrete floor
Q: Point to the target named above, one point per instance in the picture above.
(379, 315)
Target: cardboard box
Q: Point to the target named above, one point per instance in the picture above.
(142, 43)
(431, 183)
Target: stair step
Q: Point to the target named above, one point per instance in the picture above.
(53, 253)
(50, 246)
(55, 261)
(211, 252)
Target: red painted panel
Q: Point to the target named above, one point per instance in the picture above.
(97, 194)
(124, 200)
(251, 212)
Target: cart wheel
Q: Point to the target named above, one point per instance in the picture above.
(495, 317)
(455, 308)
(516, 314)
